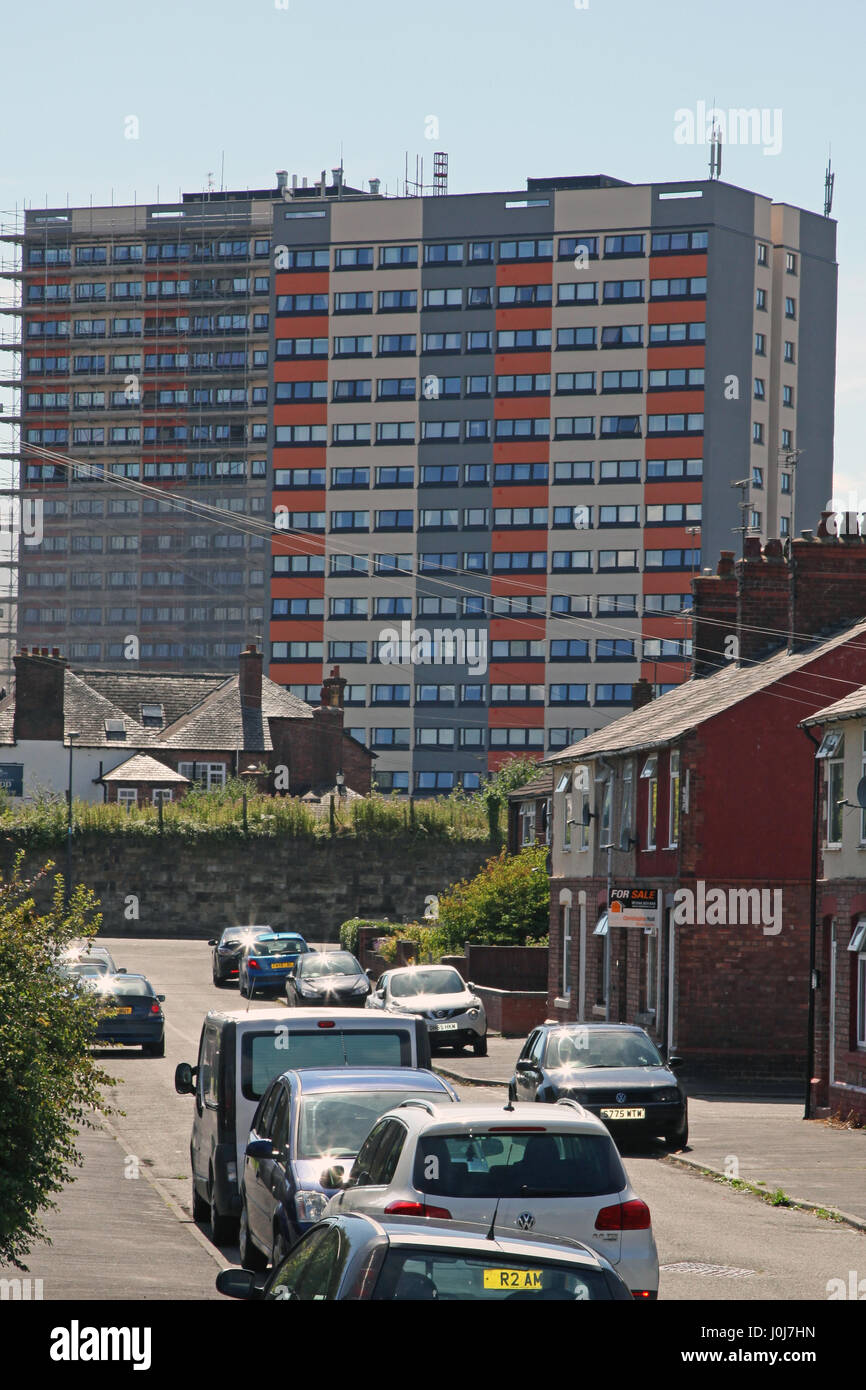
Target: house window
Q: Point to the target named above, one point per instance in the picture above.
(857, 945)
(674, 799)
(581, 807)
(649, 774)
(527, 823)
(832, 751)
(162, 794)
(127, 797)
(566, 950)
(210, 775)
(625, 816)
(606, 809)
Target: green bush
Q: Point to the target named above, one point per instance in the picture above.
(506, 904)
(350, 931)
(50, 1085)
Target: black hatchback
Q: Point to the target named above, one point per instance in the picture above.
(614, 1070)
(228, 949)
(131, 1012)
(328, 977)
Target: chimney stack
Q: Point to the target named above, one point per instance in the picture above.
(763, 600)
(714, 616)
(250, 678)
(641, 693)
(39, 688)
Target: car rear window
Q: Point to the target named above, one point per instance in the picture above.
(283, 946)
(265, 1055)
(336, 1123)
(518, 1164)
(124, 989)
(420, 1275)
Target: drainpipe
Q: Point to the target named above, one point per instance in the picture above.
(609, 847)
(813, 931)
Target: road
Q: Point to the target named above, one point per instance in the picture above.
(732, 1246)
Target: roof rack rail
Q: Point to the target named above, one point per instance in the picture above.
(575, 1104)
(417, 1100)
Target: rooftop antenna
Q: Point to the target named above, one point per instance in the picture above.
(440, 173)
(223, 172)
(829, 182)
(715, 147)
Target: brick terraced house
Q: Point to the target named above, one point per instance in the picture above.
(705, 796)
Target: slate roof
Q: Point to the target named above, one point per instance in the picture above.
(176, 692)
(697, 700)
(852, 706)
(219, 722)
(141, 767)
(536, 787)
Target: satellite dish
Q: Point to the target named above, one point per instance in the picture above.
(861, 792)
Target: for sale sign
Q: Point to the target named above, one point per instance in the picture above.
(633, 907)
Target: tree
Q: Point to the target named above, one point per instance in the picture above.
(506, 904)
(50, 1085)
(494, 794)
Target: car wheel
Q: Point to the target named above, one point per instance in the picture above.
(678, 1138)
(479, 1047)
(291, 999)
(242, 989)
(223, 1229)
(217, 979)
(200, 1207)
(251, 1257)
(156, 1049)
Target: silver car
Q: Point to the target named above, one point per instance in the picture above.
(452, 1010)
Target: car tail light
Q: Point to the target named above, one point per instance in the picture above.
(326, 1023)
(641, 1293)
(624, 1216)
(416, 1209)
(154, 1008)
(253, 964)
(517, 1129)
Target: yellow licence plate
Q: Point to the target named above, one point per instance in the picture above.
(282, 965)
(512, 1278)
(623, 1114)
(123, 1011)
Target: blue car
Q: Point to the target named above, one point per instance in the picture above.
(266, 963)
(306, 1134)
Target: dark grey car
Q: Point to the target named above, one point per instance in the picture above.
(614, 1070)
(328, 977)
(228, 949)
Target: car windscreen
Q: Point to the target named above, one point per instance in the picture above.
(127, 988)
(96, 968)
(583, 1047)
(279, 946)
(426, 982)
(242, 936)
(329, 963)
(519, 1164)
(337, 1123)
(265, 1055)
(420, 1275)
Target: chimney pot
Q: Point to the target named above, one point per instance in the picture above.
(55, 651)
(752, 548)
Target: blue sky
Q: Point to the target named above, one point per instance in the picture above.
(516, 88)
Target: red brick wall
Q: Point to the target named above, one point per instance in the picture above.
(513, 1013)
(507, 967)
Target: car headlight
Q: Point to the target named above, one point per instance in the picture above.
(309, 987)
(668, 1096)
(474, 1011)
(310, 1205)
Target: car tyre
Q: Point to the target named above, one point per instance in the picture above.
(291, 999)
(156, 1049)
(200, 1206)
(242, 989)
(678, 1138)
(479, 1047)
(223, 1229)
(251, 1257)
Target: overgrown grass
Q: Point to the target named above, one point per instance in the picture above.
(219, 815)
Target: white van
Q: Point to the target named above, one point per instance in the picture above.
(239, 1055)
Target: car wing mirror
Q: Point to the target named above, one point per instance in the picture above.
(238, 1283)
(121, 970)
(161, 998)
(333, 1177)
(185, 1078)
(214, 942)
(525, 1064)
(261, 1148)
(674, 1062)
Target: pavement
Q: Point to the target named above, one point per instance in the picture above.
(760, 1138)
